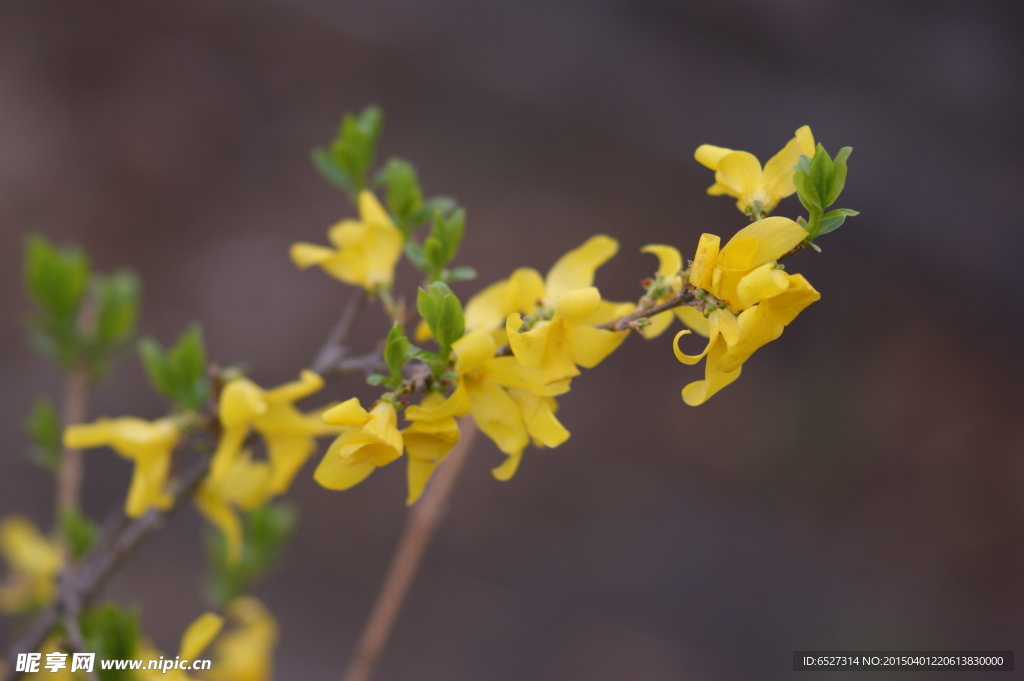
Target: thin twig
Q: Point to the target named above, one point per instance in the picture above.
(405, 563)
(333, 349)
(683, 297)
(69, 472)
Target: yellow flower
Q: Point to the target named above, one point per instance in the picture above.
(739, 173)
(370, 440)
(428, 440)
(670, 262)
(196, 639)
(246, 485)
(290, 435)
(569, 338)
(34, 561)
(771, 299)
(508, 401)
(720, 270)
(526, 292)
(366, 249)
(246, 652)
(148, 443)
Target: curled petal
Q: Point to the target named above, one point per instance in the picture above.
(200, 634)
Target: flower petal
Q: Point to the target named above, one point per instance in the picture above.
(710, 156)
(715, 379)
(588, 346)
(740, 171)
(704, 261)
(576, 268)
(348, 413)
(669, 259)
(780, 168)
(306, 255)
(339, 473)
(200, 634)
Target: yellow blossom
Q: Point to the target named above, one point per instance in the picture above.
(739, 173)
(365, 250)
(771, 299)
(670, 262)
(569, 338)
(508, 401)
(371, 439)
(194, 641)
(428, 440)
(246, 651)
(149, 444)
(245, 485)
(720, 270)
(526, 292)
(290, 434)
(34, 562)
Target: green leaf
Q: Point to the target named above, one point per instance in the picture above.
(428, 304)
(432, 206)
(179, 373)
(113, 634)
(78, 530)
(806, 191)
(376, 379)
(330, 171)
(404, 196)
(833, 220)
(463, 273)
(395, 351)
(117, 299)
(838, 176)
(57, 279)
(44, 430)
(449, 231)
(433, 252)
(414, 252)
(451, 324)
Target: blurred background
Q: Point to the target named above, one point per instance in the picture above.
(859, 488)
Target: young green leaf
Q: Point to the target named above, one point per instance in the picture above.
(44, 429)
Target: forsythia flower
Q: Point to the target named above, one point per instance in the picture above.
(195, 640)
(371, 439)
(428, 440)
(569, 338)
(769, 299)
(290, 435)
(670, 262)
(720, 270)
(148, 443)
(34, 561)
(246, 652)
(739, 173)
(246, 485)
(526, 292)
(367, 249)
(508, 401)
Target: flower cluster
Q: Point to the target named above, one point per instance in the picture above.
(501, 362)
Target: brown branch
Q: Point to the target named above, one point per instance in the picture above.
(333, 349)
(683, 297)
(69, 471)
(405, 563)
(80, 584)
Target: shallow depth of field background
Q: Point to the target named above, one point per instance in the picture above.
(862, 485)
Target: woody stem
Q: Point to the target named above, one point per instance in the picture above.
(405, 563)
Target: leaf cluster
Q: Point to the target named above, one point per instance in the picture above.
(819, 181)
(179, 372)
(82, 318)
